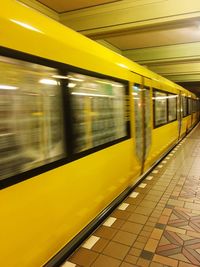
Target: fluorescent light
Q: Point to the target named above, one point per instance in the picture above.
(48, 81)
(75, 79)
(60, 77)
(71, 85)
(8, 87)
(25, 25)
(87, 94)
(134, 93)
(165, 97)
(109, 83)
(67, 78)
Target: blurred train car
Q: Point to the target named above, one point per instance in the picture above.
(79, 126)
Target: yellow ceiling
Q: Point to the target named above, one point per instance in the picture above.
(61, 6)
(156, 33)
(155, 38)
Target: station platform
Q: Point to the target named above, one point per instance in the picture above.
(158, 224)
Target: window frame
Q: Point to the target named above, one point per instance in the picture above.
(77, 155)
(189, 111)
(168, 108)
(186, 113)
(63, 69)
(155, 126)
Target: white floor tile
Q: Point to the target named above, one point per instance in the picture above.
(134, 194)
(109, 221)
(68, 264)
(149, 178)
(142, 185)
(90, 242)
(155, 171)
(123, 206)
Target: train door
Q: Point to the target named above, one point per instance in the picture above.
(142, 105)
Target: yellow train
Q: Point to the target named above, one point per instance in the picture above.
(79, 125)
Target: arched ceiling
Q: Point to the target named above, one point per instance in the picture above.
(163, 35)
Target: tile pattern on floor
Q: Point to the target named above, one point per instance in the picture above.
(158, 224)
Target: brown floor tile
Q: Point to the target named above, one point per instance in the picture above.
(126, 264)
(193, 234)
(155, 264)
(184, 264)
(148, 203)
(83, 257)
(125, 238)
(143, 210)
(133, 201)
(116, 250)
(139, 245)
(156, 213)
(131, 259)
(163, 219)
(151, 245)
(152, 219)
(142, 239)
(145, 233)
(100, 245)
(156, 192)
(165, 260)
(192, 206)
(157, 233)
(131, 208)
(143, 263)
(176, 230)
(118, 223)
(105, 261)
(148, 228)
(152, 224)
(105, 232)
(133, 228)
(138, 218)
(152, 197)
(135, 252)
(176, 203)
(121, 214)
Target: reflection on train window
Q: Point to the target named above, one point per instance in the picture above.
(31, 131)
(184, 104)
(172, 107)
(160, 105)
(98, 111)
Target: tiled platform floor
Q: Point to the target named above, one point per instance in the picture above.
(158, 224)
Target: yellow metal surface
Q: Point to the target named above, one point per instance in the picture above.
(42, 214)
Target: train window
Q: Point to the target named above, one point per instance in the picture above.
(31, 132)
(137, 96)
(160, 108)
(184, 104)
(99, 111)
(189, 106)
(193, 105)
(172, 107)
